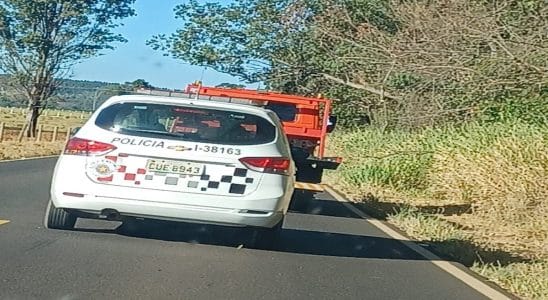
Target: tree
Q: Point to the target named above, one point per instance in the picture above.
(447, 60)
(139, 83)
(407, 63)
(41, 40)
(270, 41)
(231, 85)
(249, 39)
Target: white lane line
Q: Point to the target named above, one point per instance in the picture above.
(448, 267)
(2, 222)
(29, 158)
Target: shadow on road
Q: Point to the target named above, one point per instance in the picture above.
(311, 203)
(292, 240)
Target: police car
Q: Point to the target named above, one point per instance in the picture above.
(174, 159)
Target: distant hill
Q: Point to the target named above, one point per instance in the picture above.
(79, 94)
(72, 94)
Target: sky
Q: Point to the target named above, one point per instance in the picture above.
(135, 60)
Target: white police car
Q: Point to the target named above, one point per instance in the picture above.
(174, 159)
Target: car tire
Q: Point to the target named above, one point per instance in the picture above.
(58, 218)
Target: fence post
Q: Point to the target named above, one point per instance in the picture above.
(22, 132)
(54, 135)
(68, 134)
(39, 135)
(1, 132)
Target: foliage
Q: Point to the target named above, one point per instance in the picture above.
(139, 83)
(382, 60)
(243, 38)
(484, 57)
(533, 110)
(41, 40)
(231, 85)
(71, 94)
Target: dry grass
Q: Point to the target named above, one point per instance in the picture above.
(62, 118)
(15, 117)
(505, 180)
(529, 279)
(478, 192)
(15, 150)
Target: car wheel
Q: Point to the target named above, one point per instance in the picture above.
(58, 218)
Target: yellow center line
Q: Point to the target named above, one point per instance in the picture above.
(2, 222)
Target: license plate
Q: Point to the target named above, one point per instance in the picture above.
(174, 167)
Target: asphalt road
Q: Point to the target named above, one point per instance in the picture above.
(326, 252)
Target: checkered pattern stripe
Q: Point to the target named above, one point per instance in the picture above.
(218, 179)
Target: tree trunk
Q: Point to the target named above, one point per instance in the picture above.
(32, 119)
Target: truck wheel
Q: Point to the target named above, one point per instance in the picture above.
(58, 218)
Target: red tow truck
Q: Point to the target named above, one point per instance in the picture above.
(306, 122)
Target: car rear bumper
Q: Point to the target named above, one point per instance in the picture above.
(169, 211)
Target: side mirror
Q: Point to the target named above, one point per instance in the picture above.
(331, 123)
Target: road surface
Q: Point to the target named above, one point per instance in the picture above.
(325, 252)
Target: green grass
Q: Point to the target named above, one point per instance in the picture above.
(528, 279)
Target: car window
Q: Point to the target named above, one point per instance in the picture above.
(286, 112)
(186, 123)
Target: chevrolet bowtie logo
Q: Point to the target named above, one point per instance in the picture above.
(179, 148)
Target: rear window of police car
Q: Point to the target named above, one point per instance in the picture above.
(286, 112)
(186, 124)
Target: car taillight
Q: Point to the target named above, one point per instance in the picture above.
(275, 165)
(77, 146)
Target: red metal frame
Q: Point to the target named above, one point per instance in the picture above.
(307, 124)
